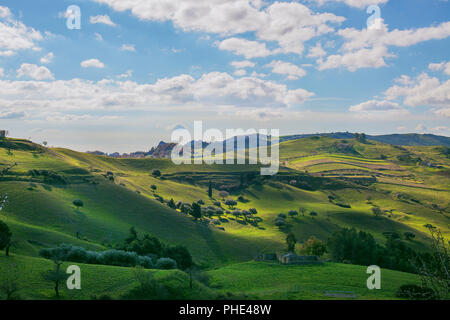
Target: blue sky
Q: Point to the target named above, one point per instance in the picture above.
(137, 69)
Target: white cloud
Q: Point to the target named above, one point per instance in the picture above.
(421, 127)
(5, 12)
(444, 112)
(361, 4)
(103, 19)
(12, 115)
(242, 64)
(422, 91)
(443, 66)
(127, 74)
(292, 71)
(128, 47)
(289, 24)
(316, 51)
(2, 72)
(92, 63)
(249, 49)
(374, 105)
(213, 89)
(240, 72)
(48, 58)
(15, 36)
(368, 48)
(34, 72)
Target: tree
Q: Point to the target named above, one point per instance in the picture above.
(196, 211)
(434, 268)
(56, 275)
(409, 235)
(132, 235)
(171, 204)
(293, 213)
(153, 187)
(303, 211)
(314, 247)
(210, 191)
(376, 211)
(223, 194)
(156, 173)
(9, 286)
(78, 203)
(313, 214)
(181, 255)
(253, 211)
(231, 203)
(290, 242)
(5, 237)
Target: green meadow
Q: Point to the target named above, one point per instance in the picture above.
(340, 180)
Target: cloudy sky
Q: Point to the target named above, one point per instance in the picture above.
(136, 69)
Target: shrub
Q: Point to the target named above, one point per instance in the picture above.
(282, 215)
(415, 292)
(166, 264)
(314, 247)
(78, 203)
(280, 222)
(156, 173)
(313, 214)
(293, 213)
(231, 203)
(180, 255)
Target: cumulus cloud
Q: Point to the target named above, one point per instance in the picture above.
(211, 89)
(249, 49)
(443, 66)
(34, 72)
(128, 47)
(375, 106)
(292, 71)
(16, 36)
(102, 19)
(48, 58)
(368, 48)
(240, 72)
(316, 51)
(289, 24)
(422, 91)
(360, 4)
(92, 63)
(242, 64)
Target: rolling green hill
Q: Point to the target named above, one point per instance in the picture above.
(339, 179)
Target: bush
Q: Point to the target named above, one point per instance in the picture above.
(231, 203)
(180, 255)
(166, 264)
(293, 213)
(313, 247)
(78, 203)
(156, 173)
(415, 292)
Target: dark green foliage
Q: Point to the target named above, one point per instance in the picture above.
(313, 214)
(415, 292)
(359, 247)
(78, 203)
(180, 254)
(153, 187)
(5, 237)
(231, 203)
(290, 242)
(166, 264)
(196, 211)
(156, 173)
(210, 192)
(314, 247)
(171, 204)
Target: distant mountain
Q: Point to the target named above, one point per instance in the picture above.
(163, 149)
(410, 139)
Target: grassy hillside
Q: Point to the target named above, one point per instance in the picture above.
(250, 280)
(339, 179)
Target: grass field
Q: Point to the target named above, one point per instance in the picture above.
(399, 180)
